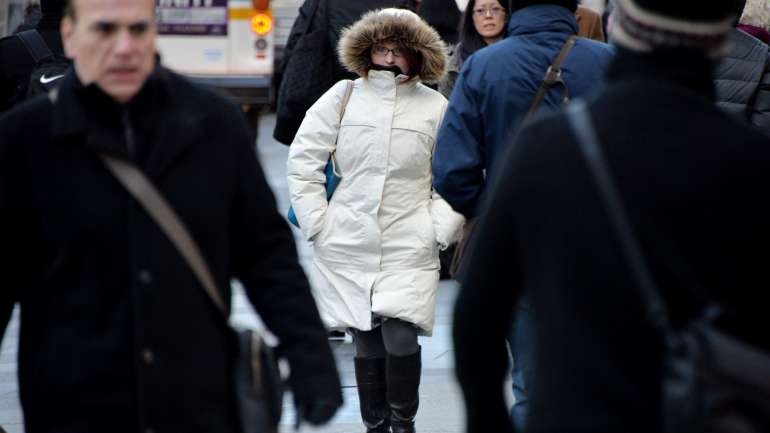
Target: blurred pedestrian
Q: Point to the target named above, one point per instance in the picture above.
(743, 76)
(117, 335)
(493, 94)
(309, 66)
(484, 22)
(376, 242)
(689, 177)
(16, 63)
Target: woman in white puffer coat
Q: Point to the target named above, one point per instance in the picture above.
(375, 268)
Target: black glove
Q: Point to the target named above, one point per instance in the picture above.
(318, 411)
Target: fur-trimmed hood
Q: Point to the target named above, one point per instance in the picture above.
(397, 25)
(757, 13)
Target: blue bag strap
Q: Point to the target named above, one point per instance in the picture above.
(35, 45)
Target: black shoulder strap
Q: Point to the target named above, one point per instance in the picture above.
(588, 142)
(36, 45)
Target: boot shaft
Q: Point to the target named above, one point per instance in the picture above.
(403, 383)
(372, 392)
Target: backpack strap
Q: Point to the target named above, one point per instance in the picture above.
(35, 45)
(553, 76)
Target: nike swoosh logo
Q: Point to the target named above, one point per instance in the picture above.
(46, 80)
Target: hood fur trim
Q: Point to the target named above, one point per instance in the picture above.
(397, 25)
(757, 14)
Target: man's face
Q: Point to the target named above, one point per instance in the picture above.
(112, 43)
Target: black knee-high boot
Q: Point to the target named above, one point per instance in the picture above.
(403, 385)
(370, 378)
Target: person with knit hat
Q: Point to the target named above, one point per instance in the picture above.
(16, 63)
(692, 180)
(375, 267)
(743, 76)
(492, 95)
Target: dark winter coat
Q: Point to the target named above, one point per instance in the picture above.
(116, 333)
(691, 178)
(16, 63)
(314, 38)
(743, 80)
(495, 90)
(444, 16)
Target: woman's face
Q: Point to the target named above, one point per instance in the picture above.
(489, 19)
(390, 54)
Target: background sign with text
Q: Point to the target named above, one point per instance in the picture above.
(192, 17)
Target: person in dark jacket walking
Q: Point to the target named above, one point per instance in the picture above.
(492, 95)
(310, 67)
(689, 176)
(16, 63)
(117, 335)
(743, 76)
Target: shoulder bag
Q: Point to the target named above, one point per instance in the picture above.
(713, 382)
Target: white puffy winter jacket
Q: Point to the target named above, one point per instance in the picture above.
(376, 241)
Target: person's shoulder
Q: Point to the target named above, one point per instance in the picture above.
(428, 94)
(596, 47)
(10, 47)
(195, 95)
(490, 53)
(33, 114)
(744, 46)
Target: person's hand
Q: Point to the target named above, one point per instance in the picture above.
(318, 411)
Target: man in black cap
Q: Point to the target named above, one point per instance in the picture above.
(692, 180)
(16, 63)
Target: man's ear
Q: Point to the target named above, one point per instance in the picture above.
(67, 29)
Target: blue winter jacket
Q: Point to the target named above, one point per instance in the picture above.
(493, 93)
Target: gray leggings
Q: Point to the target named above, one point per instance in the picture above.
(393, 337)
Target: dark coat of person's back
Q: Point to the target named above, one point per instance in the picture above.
(444, 16)
(693, 180)
(743, 80)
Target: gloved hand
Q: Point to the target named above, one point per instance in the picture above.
(319, 411)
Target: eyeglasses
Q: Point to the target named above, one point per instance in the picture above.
(494, 11)
(383, 51)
